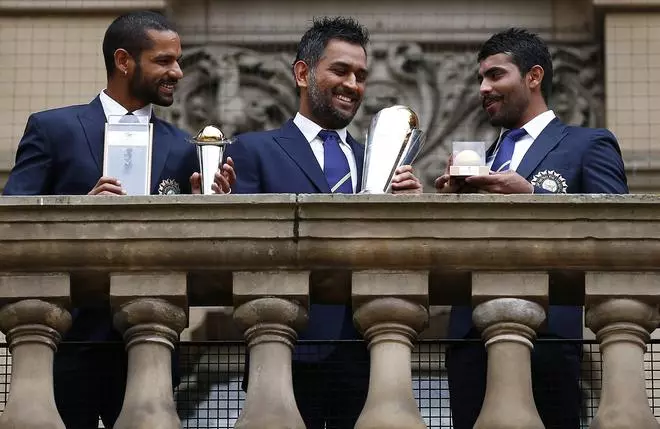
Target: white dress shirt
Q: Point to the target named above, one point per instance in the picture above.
(533, 128)
(113, 109)
(310, 130)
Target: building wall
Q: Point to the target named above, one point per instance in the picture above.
(49, 61)
(632, 53)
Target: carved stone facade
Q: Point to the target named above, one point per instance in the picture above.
(243, 89)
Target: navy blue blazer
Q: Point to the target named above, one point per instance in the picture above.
(563, 159)
(61, 153)
(282, 161)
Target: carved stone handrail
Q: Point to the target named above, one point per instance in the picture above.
(209, 237)
(77, 234)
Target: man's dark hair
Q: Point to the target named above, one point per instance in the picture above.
(314, 41)
(526, 50)
(129, 32)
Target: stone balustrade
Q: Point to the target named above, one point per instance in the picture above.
(389, 256)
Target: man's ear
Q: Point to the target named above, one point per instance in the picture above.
(301, 73)
(535, 77)
(124, 62)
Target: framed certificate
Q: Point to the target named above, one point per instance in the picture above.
(127, 155)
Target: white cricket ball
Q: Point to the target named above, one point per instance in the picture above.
(467, 158)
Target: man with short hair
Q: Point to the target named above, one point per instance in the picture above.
(61, 153)
(313, 153)
(535, 153)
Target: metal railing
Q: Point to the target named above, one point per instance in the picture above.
(210, 393)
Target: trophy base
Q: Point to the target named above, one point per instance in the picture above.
(468, 170)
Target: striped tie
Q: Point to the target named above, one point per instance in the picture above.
(335, 165)
(502, 160)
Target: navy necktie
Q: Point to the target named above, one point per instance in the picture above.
(335, 165)
(502, 160)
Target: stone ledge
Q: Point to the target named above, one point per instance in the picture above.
(340, 232)
(627, 4)
(450, 21)
(80, 6)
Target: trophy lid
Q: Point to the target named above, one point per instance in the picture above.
(413, 120)
(210, 134)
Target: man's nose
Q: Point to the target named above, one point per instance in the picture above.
(485, 88)
(176, 71)
(351, 82)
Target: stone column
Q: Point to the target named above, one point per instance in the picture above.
(270, 308)
(33, 328)
(392, 308)
(622, 310)
(150, 311)
(508, 314)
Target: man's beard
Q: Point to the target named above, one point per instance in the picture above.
(510, 113)
(323, 110)
(146, 92)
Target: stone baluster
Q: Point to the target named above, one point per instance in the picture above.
(508, 311)
(622, 310)
(270, 308)
(390, 309)
(150, 311)
(34, 320)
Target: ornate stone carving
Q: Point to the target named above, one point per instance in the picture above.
(239, 89)
(249, 90)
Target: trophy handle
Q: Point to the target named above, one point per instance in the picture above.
(408, 153)
(415, 143)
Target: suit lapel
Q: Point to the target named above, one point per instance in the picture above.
(358, 153)
(551, 135)
(92, 120)
(159, 152)
(293, 142)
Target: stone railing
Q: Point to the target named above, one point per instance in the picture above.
(390, 256)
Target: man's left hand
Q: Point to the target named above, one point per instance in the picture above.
(508, 182)
(405, 182)
(225, 176)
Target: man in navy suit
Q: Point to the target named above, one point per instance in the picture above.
(535, 153)
(61, 153)
(313, 153)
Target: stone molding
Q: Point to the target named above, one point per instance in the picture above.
(84, 6)
(214, 235)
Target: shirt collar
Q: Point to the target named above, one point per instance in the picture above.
(310, 129)
(112, 108)
(536, 125)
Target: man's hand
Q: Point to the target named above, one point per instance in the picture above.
(508, 182)
(224, 178)
(405, 182)
(445, 184)
(107, 186)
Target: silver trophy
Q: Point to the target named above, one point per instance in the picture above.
(393, 140)
(211, 144)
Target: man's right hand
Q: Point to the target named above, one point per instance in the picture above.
(107, 186)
